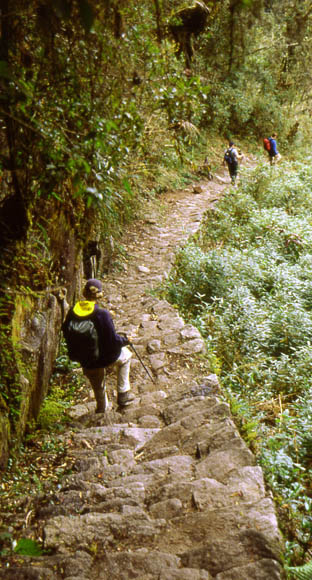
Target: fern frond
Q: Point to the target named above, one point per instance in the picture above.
(189, 128)
(301, 572)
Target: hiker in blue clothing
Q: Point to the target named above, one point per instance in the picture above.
(274, 155)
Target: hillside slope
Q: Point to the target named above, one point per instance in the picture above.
(165, 489)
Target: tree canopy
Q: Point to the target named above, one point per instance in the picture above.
(87, 86)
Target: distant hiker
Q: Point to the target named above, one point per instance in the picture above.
(274, 156)
(231, 158)
(93, 342)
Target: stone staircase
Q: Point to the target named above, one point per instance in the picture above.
(165, 489)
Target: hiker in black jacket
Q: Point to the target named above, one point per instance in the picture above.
(110, 348)
(231, 158)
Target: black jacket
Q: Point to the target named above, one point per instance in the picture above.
(110, 343)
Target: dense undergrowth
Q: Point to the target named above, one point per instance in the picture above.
(35, 471)
(246, 281)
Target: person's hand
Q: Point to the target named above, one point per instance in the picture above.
(132, 335)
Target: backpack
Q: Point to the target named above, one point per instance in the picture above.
(266, 144)
(228, 157)
(82, 341)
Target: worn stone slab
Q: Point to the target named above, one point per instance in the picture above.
(130, 436)
(188, 348)
(134, 491)
(185, 574)
(149, 421)
(179, 465)
(264, 569)
(221, 465)
(69, 534)
(189, 332)
(157, 361)
(141, 563)
(24, 572)
(168, 323)
(170, 340)
(219, 554)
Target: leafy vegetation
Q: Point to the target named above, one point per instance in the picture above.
(301, 572)
(28, 547)
(103, 108)
(41, 463)
(245, 281)
(67, 383)
(96, 99)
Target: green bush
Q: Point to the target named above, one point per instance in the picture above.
(51, 414)
(28, 547)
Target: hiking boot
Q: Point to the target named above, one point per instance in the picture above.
(124, 399)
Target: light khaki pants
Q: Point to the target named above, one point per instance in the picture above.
(123, 370)
(122, 364)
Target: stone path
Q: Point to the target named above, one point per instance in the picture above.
(166, 489)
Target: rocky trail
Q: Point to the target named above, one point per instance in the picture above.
(165, 489)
